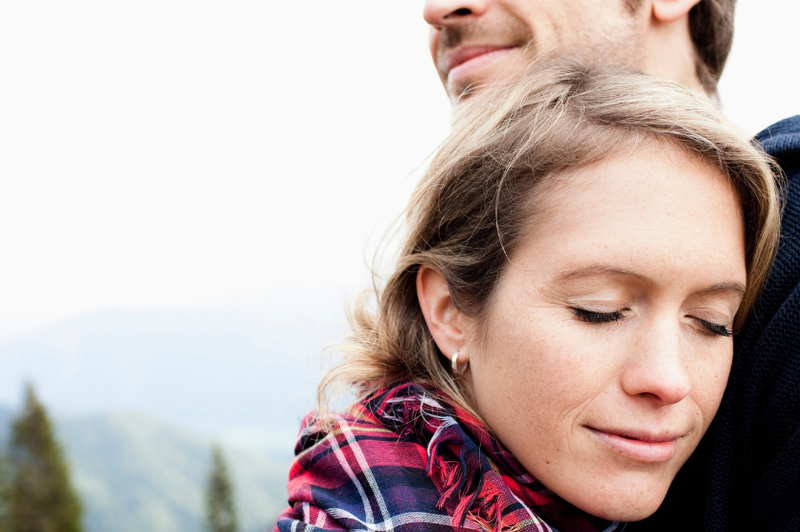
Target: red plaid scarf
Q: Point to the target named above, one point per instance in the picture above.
(409, 459)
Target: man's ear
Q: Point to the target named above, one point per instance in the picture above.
(444, 320)
(671, 10)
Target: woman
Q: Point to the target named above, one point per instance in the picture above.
(556, 335)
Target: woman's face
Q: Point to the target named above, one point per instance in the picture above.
(606, 346)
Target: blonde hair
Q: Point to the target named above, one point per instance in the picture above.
(471, 207)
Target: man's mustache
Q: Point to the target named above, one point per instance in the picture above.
(452, 37)
(507, 32)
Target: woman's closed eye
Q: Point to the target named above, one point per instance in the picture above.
(590, 316)
(715, 328)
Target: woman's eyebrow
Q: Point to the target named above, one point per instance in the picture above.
(601, 269)
(594, 270)
(733, 286)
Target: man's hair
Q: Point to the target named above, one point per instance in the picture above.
(475, 202)
(711, 29)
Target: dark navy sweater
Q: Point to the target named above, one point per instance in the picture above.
(745, 474)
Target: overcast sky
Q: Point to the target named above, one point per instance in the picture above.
(177, 154)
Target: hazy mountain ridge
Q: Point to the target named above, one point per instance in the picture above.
(136, 473)
(244, 378)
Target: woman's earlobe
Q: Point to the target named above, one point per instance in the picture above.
(666, 11)
(445, 322)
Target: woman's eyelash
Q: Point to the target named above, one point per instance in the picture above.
(606, 317)
(597, 317)
(720, 330)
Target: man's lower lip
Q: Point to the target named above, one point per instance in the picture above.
(640, 451)
(467, 67)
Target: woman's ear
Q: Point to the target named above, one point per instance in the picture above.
(671, 10)
(444, 320)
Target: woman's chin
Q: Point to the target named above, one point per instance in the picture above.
(628, 506)
(628, 514)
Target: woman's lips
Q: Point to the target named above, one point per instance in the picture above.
(641, 447)
(463, 61)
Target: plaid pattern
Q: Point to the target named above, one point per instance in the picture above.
(407, 459)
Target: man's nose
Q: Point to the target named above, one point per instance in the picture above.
(658, 369)
(444, 12)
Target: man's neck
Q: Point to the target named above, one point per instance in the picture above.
(670, 54)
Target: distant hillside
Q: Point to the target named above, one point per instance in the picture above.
(135, 473)
(245, 378)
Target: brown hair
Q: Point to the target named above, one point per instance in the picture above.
(471, 207)
(711, 29)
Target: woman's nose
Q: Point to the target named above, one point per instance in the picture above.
(658, 369)
(444, 12)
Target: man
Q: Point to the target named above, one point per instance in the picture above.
(746, 472)
(476, 42)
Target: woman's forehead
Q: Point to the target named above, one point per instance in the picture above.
(654, 208)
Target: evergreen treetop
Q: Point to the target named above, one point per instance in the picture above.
(40, 496)
(3, 492)
(220, 510)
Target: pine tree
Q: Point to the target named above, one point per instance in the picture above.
(220, 511)
(40, 496)
(3, 493)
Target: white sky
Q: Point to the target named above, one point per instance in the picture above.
(176, 154)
